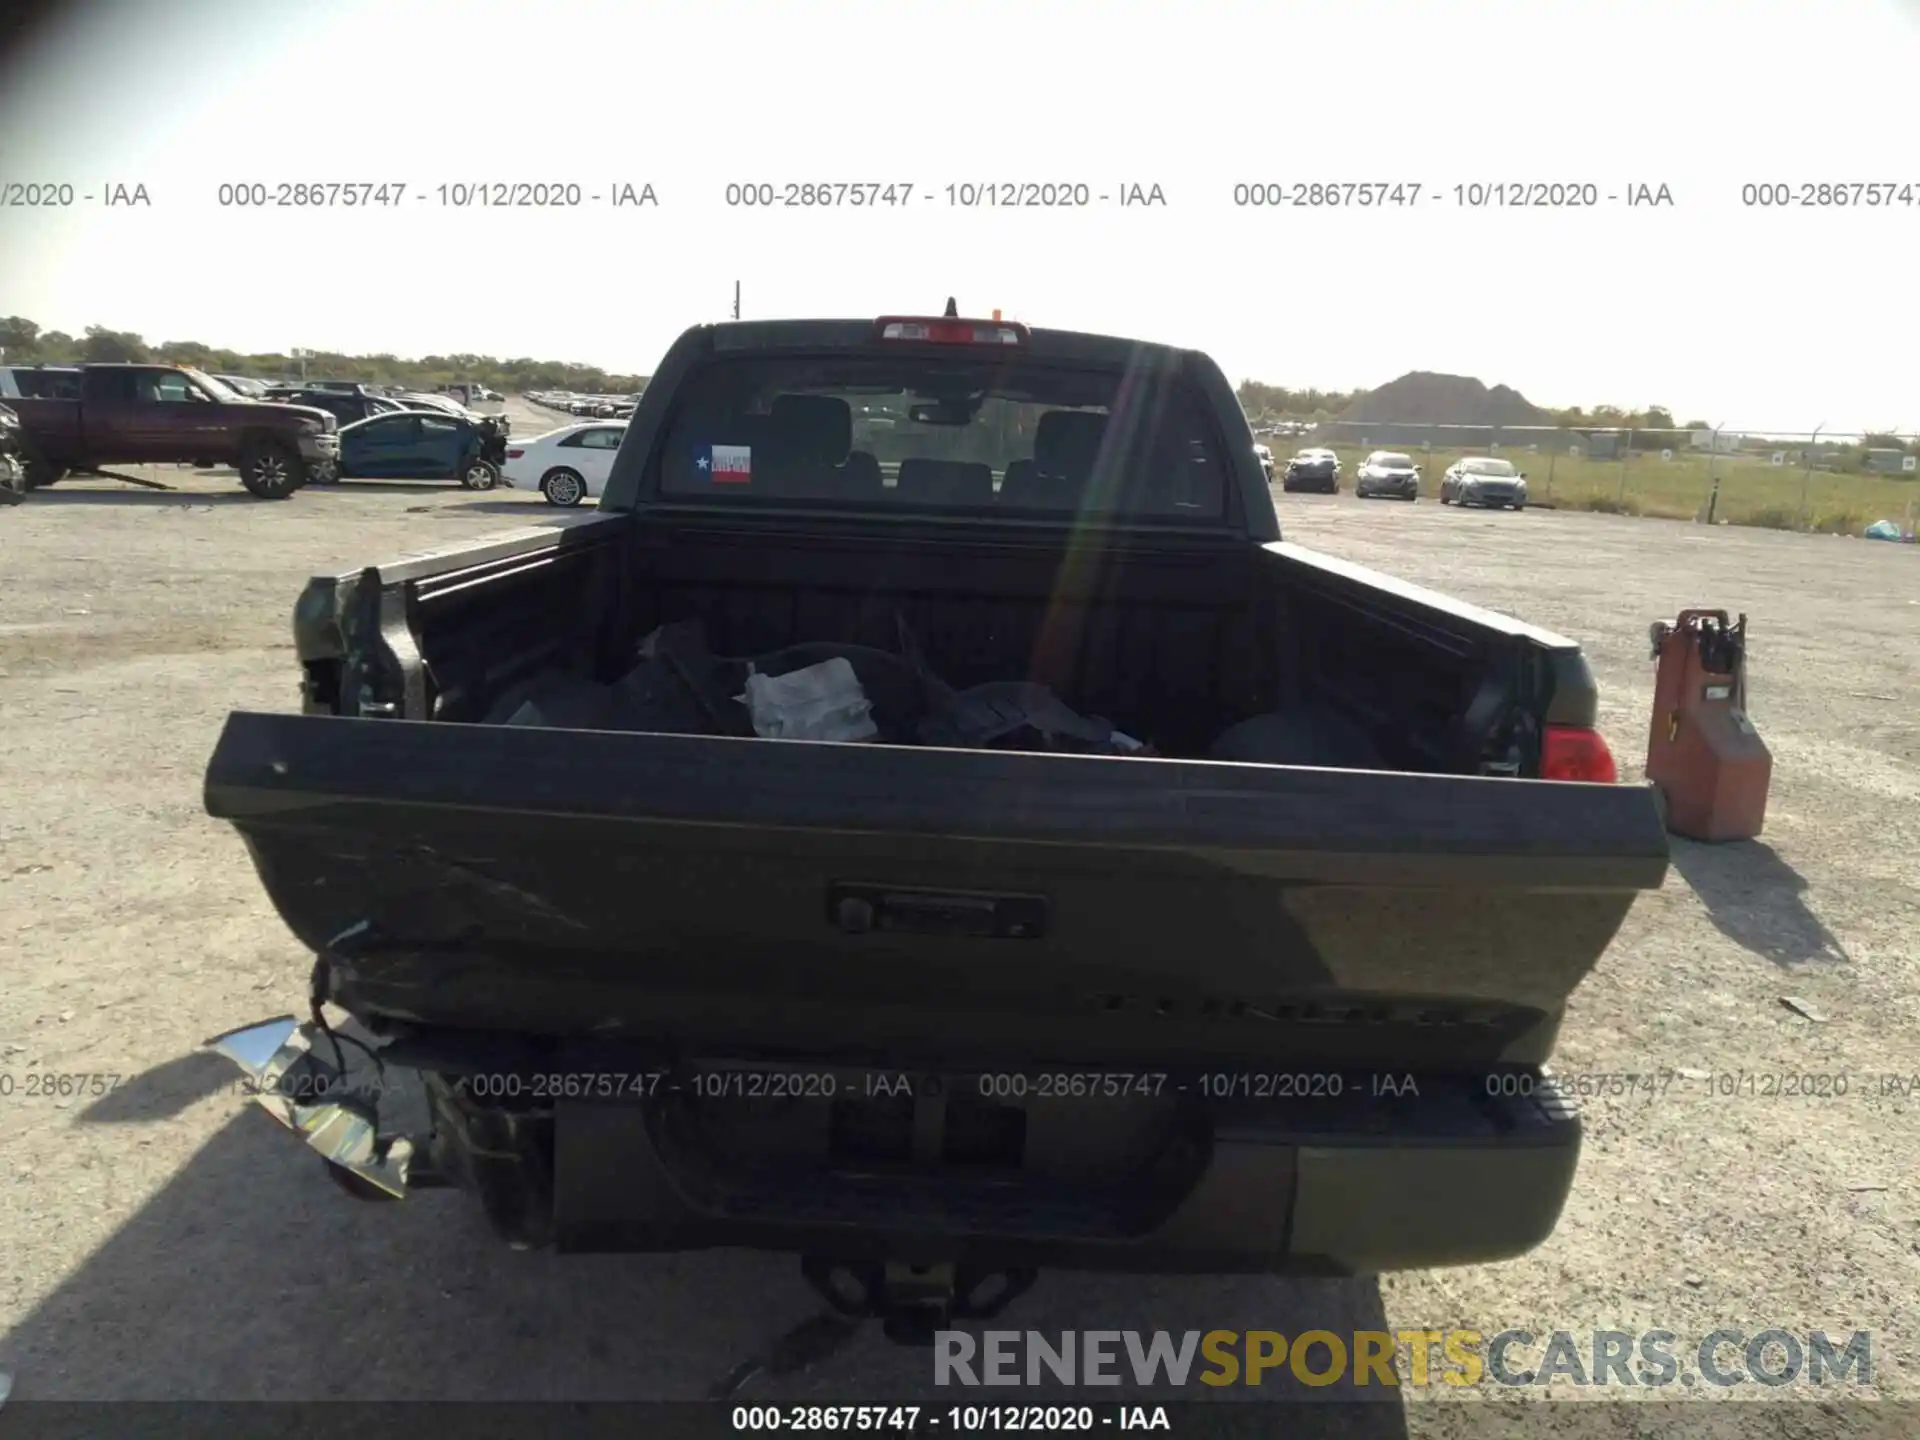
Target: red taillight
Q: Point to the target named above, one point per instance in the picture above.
(515, 454)
(1570, 752)
(921, 330)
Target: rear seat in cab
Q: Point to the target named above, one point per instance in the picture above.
(811, 444)
(1066, 446)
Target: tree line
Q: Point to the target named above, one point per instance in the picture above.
(23, 342)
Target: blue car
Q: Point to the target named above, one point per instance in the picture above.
(419, 445)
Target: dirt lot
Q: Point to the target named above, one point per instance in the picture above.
(162, 1241)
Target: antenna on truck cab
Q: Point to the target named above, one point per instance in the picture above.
(953, 309)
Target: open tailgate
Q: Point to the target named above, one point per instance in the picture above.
(875, 899)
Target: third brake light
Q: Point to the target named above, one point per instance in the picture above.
(927, 330)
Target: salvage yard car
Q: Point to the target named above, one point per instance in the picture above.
(1388, 473)
(567, 465)
(471, 395)
(1025, 859)
(419, 445)
(1483, 480)
(500, 425)
(346, 406)
(173, 414)
(1313, 470)
(13, 470)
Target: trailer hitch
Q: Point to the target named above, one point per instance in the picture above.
(913, 1302)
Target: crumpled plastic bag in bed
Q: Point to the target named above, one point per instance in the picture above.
(817, 702)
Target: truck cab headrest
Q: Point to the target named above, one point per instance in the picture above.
(813, 428)
(1067, 443)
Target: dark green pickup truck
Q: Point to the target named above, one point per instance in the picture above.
(1098, 880)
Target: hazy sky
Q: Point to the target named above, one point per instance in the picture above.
(1766, 318)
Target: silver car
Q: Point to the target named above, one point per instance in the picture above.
(1483, 480)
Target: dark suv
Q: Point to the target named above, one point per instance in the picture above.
(346, 406)
(1314, 470)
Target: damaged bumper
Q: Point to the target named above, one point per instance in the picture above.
(292, 1082)
(322, 456)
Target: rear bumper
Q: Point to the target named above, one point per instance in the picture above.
(1203, 1173)
(1267, 1193)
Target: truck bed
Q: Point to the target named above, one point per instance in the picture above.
(952, 1003)
(881, 904)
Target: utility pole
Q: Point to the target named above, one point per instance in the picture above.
(736, 299)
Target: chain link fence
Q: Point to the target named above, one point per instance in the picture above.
(1827, 480)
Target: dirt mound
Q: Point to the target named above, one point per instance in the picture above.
(1404, 412)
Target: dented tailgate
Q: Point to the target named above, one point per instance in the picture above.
(792, 894)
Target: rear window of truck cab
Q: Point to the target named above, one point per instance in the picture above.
(29, 383)
(908, 431)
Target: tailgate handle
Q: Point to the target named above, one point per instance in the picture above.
(866, 909)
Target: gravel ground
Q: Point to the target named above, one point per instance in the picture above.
(161, 1241)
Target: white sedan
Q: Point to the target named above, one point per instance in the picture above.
(567, 465)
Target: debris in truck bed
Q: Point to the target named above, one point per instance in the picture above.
(816, 702)
(1023, 716)
(568, 703)
(679, 683)
(821, 690)
(1015, 713)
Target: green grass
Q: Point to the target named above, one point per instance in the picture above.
(1752, 492)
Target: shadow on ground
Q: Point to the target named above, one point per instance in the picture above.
(530, 508)
(249, 1277)
(352, 486)
(1758, 901)
(61, 495)
(162, 1092)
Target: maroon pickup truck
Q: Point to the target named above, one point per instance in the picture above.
(165, 414)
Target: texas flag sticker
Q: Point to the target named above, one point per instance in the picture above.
(727, 464)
